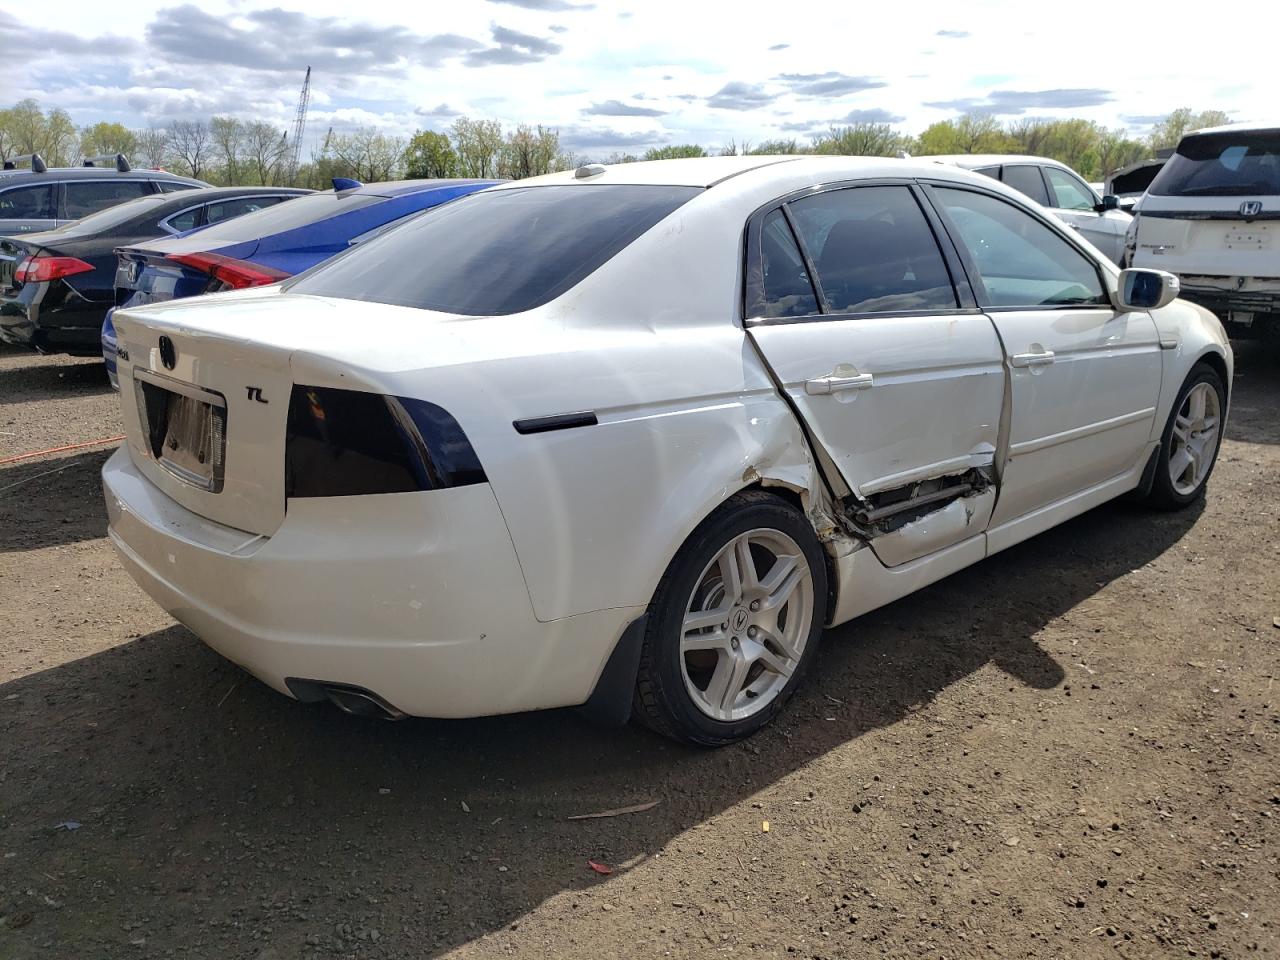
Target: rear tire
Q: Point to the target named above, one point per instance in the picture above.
(734, 623)
(1191, 439)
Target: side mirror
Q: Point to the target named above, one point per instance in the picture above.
(1109, 202)
(1139, 289)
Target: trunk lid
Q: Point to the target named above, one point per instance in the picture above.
(1213, 236)
(236, 352)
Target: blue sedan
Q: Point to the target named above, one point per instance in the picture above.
(269, 245)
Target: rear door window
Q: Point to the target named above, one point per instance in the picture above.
(1022, 262)
(1026, 179)
(788, 291)
(498, 251)
(237, 207)
(27, 203)
(1068, 192)
(83, 197)
(1222, 165)
(873, 251)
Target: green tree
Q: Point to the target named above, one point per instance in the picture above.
(864, 140)
(1170, 130)
(228, 146)
(477, 144)
(674, 152)
(778, 148)
(529, 152)
(108, 138)
(430, 155)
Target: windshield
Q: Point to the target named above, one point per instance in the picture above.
(104, 220)
(1222, 165)
(498, 251)
(298, 212)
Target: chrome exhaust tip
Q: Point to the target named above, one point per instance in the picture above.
(350, 699)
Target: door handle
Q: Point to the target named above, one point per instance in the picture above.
(1032, 359)
(821, 385)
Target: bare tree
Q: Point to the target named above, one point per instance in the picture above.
(477, 144)
(190, 144)
(529, 152)
(265, 147)
(227, 136)
(368, 155)
(153, 146)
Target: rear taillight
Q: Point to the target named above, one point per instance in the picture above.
(233, 274)
(347, 443)
(43, 268)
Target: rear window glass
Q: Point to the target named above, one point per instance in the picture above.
(83, 197)
(301, 212)
(498, 251)
(1222, 165)
(1026, 179)
(104, 220)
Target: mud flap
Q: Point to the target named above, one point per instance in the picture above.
(610, 701)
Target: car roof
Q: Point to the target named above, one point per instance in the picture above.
(205, 194)
(709, 171)
(10, 177)
(972, 161)
(1254, 127)
(684, 172)
(400, 188)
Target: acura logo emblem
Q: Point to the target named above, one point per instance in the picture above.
(1250, 208)
(168, 355)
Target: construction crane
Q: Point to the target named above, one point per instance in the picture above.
(299, 123)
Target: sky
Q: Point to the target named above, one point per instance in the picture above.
(625, 75)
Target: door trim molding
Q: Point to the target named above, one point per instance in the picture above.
(1077, 433)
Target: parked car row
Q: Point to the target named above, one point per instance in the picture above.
(630, 437)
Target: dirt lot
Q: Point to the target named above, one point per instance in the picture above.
(1070, 750)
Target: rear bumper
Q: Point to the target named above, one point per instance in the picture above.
(51, 322)
(1227, 295)
(416, 597)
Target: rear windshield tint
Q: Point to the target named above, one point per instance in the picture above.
(104, 220)
(497, 251)
(1222, 165)
(299, 212)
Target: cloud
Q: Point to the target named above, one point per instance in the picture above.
(17, 35)
(550, 5)
(953, 34)
(188, 34)
(805, 127)
(872, 115)
(513, 47)
(616, 108)
(557, 28)
(443, 110)
(829, 84)
(780, 46)
(588, 138)
(741, 96)
(1005, 103)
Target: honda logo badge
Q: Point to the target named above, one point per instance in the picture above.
(1250, 208)
(168, 355)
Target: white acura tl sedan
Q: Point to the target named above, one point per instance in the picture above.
(631, 436)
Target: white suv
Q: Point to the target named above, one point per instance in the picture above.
(1102, 220)
(1212, 216)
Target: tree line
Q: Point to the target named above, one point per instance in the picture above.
(231, 151)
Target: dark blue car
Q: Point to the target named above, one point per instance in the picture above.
(269, 245)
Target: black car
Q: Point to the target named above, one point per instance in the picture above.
(56, 286)
(40, 198)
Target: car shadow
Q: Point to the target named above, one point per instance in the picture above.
(196, 787)
(40, 380)
(51, 502)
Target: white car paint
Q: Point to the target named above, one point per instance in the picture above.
(511, 594)
(1227, 257)
(1072, 200)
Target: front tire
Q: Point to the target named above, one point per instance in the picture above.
(734, 623)
(1191, 439)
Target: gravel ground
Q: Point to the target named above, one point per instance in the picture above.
(1070, 750)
